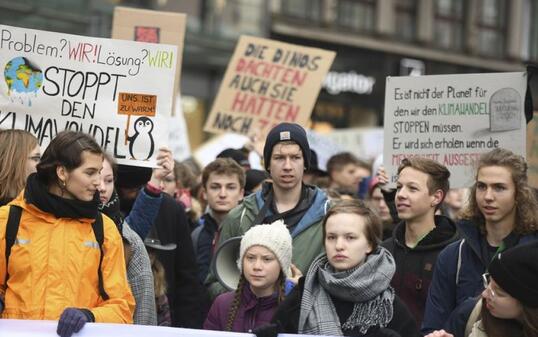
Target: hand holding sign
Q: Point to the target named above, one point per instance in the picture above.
(165, 163)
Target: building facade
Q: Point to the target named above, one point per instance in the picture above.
(373, 39)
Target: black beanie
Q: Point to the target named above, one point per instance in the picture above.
(286, 132)
(516, 272)
(132, 176)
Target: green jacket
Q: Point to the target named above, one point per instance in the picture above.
(307, 234)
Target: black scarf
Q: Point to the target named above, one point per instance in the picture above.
(112, 210)
(37, 194)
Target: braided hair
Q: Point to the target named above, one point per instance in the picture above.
(236, 303)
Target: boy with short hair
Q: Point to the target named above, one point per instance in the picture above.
(346, 171)
(420, 235)
(223, 183)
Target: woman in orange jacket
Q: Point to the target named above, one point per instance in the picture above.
(66, 259)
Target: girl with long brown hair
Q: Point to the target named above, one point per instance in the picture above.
(19, 155)
(264, 263)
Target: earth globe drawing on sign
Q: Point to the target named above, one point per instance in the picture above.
(23, 79)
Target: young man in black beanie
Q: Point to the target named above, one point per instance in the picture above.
(286, 156)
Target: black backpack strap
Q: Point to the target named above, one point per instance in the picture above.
(98, 231)
(12, 227)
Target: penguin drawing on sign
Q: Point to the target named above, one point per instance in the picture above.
(141, 144)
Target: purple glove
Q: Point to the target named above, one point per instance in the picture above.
(72, 320)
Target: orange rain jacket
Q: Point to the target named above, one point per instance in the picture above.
(54, 263)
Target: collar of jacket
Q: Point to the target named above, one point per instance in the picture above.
(249, 299)
(314, 214)
(443, 233)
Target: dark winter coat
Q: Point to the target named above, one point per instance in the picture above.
(458, 273)
(205, 235)
(414, 266)
(185, 294)
(287, 315)
(252, 313)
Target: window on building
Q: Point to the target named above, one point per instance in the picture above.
(491, 27)
(231, 18)
(303, 9)
(357, 15)
(449, 23)
(406, 19)
(533, 34)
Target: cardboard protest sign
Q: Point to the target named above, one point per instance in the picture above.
(268, 82)
(453, 119)
(55, 82)
(152, 26)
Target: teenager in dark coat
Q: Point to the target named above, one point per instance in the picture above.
(421, 235)
(188, 302)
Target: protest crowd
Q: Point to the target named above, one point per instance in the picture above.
(344, 246)
(88, 241)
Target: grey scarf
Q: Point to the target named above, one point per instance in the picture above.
(367, 285)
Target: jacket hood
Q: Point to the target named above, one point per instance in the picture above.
(471, 233)
(315, 212)
(445, 232)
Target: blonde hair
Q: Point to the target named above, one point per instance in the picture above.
(15, 146)
(159, 279)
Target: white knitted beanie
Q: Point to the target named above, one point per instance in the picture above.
(275, 237)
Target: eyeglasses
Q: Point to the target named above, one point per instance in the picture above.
(486, 278)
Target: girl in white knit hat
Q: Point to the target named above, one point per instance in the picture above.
(265, 264)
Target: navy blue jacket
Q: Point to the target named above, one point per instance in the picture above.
(452, 285)
(203, 240)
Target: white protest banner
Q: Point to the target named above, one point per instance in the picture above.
(208, 151)
(365, 143)
(53, 82)
(30, 328)
(268, 82)
(323, 145)
(152, 26)
(453, 119)
(178, 136)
